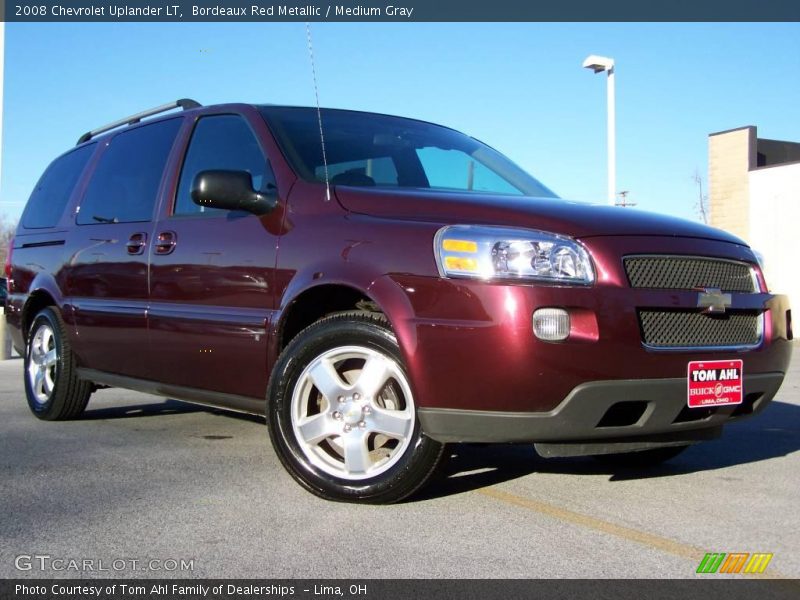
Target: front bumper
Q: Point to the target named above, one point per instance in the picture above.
(604, 416)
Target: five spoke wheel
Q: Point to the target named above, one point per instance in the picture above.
(352, 412)
(342, 415)
(52, 386)
(42, 363)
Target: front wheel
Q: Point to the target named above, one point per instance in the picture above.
(342, 416)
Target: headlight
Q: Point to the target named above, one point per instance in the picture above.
(484, 252)
(762, 265)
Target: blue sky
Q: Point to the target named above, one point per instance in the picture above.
(517, 86)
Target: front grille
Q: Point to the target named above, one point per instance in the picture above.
(690, 329)
(688, 273)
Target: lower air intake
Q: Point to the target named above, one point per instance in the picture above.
(691, 329)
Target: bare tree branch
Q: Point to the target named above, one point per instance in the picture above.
(701, 206)
(7, 229)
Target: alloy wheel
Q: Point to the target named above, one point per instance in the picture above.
(352, 412)
(43, 363)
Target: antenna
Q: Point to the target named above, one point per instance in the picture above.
(319, 112)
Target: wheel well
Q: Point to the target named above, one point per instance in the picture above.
(36, 303)
(319, 302)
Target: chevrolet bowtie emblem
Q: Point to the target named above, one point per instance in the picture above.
(713, 300)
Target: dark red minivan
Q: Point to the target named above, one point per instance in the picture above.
(378, 287)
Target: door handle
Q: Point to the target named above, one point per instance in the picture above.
(166, 242)
(136, 243)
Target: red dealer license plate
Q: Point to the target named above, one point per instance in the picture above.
(715, 383)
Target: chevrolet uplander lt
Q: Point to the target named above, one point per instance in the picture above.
(378, 287)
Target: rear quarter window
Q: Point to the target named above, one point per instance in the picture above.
(53, 190)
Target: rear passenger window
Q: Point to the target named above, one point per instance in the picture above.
(220, 142)
(125, 184)
(52, 192)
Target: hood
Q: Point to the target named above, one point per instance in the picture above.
(575, 219)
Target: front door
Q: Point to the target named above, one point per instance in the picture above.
(211, 272)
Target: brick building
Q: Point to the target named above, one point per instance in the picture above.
(754, 192)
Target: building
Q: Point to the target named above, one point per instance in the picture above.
(754, 193)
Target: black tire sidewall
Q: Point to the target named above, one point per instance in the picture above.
(408, 473)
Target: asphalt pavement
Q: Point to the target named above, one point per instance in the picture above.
(142, 484)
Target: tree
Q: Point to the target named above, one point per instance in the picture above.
(701, 206)
(7, 229)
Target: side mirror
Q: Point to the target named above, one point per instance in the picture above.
(231, 190)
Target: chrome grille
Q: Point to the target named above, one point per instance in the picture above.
(688, 273)
(691, 329)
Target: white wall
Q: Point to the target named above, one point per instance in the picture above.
(775, 226)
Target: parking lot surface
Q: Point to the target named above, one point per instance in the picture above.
(147, 480)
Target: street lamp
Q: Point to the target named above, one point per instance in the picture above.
(598, 64)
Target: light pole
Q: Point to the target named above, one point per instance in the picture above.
(598, 64)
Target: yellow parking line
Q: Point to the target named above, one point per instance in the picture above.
(657, 542)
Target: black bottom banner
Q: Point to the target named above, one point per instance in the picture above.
(399, 589)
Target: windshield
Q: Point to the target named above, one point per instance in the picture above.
(366, 149)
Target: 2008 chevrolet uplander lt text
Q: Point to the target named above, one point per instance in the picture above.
(395, 288)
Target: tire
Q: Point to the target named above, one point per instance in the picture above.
(643, 458)
(356, 437)
(53, 390)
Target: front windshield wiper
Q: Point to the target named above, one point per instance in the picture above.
(100, 219)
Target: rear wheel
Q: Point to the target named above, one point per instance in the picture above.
(53, 390)
(644, 458)
(342, 415)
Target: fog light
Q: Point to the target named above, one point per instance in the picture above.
(551, 324)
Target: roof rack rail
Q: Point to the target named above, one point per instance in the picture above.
(184, 103)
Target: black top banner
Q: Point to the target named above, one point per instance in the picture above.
(404, 11)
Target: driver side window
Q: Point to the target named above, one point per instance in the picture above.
(220, 142)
